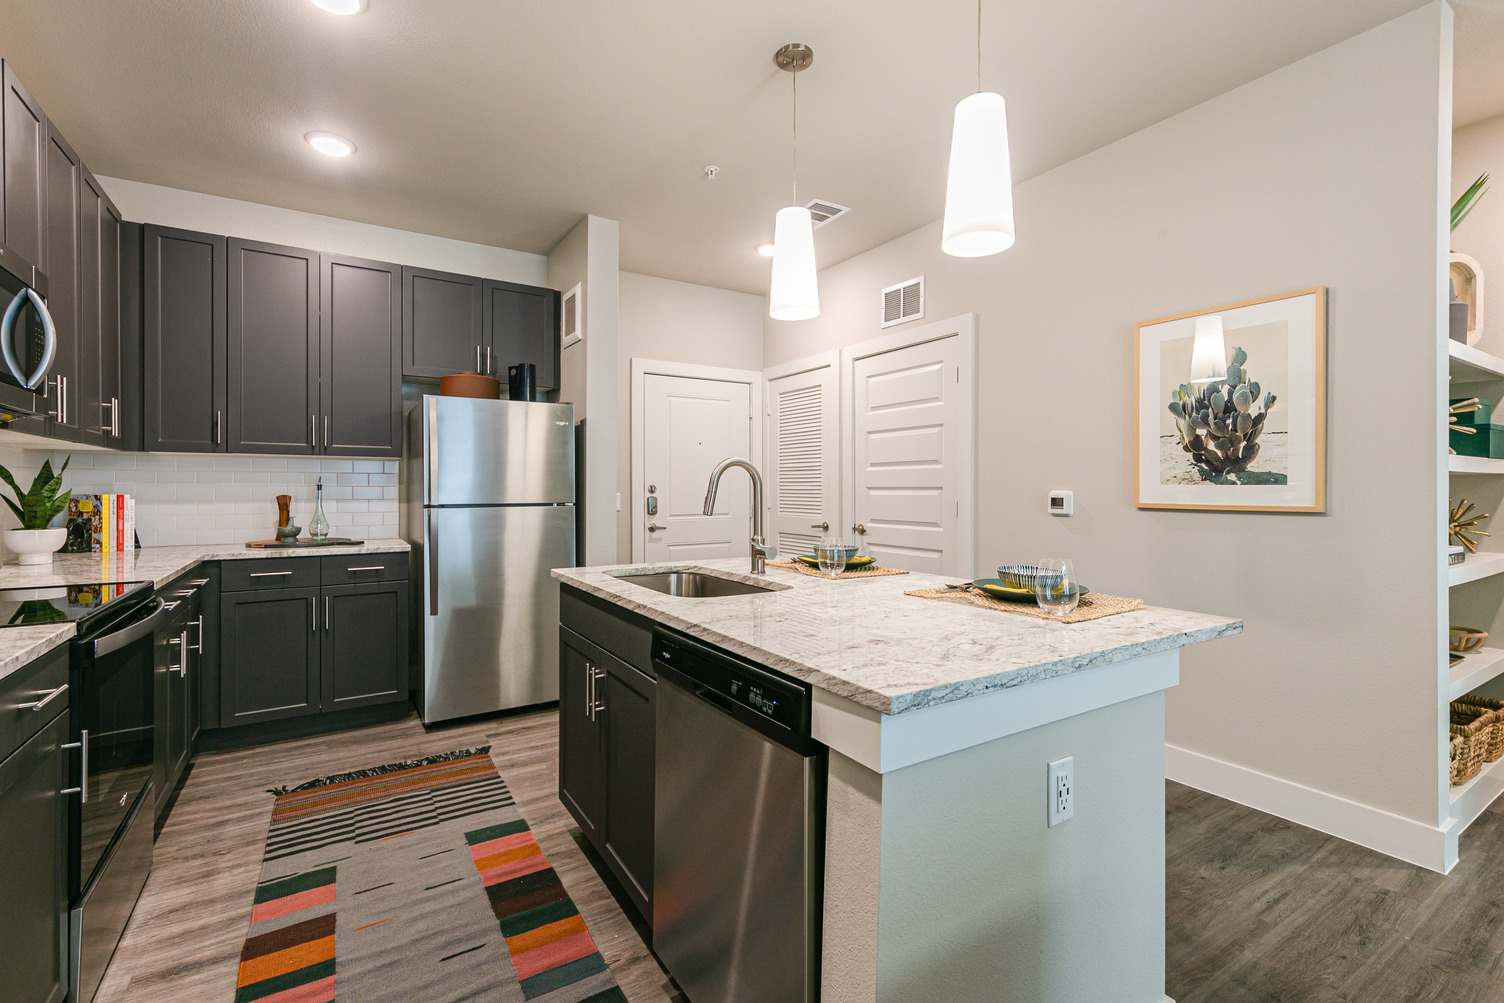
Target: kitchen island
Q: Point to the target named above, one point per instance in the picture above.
(942, 878)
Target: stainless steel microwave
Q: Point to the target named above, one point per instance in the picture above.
(28, 340)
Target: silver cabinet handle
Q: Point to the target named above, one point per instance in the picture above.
(108, 428)
(269, 574)
(589, 690)
(326, 431)
(172, 605)
(46, 699)
(56, 381)
(313, 604)
(326, 614)
(373, 567)
(313, 429)
(182, 667)
(198, 581)
(478, 369)
(65, 399)
(82, 745)
(820, 525)
(596, 706)
(115, 417)
(489, 371)
(219, 417)
(653, 527)
(185, 592)
(199, 647)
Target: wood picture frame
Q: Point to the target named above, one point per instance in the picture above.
(1199, 458)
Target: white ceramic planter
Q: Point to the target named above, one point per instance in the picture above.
(34, 546)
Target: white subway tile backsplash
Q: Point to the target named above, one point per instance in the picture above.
(228, 499)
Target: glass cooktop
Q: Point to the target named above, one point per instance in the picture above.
(30, 607)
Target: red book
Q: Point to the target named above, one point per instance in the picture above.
(119, 515)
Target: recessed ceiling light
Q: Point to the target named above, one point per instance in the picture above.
(766, 250)
(341, 6)
(329, 144)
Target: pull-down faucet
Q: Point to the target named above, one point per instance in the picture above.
(761, 551)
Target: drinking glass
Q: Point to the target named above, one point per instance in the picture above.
(1055, 587)
(832, 556)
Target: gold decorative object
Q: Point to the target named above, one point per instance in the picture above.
(1462, 407)
(1463, 526)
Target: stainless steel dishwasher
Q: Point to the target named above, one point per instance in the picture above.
(739, 846)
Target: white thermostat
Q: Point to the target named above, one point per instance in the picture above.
(1062, 502)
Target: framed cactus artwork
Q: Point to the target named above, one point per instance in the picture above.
(1231, 409)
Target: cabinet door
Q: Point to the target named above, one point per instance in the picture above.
(112, 369)
(364, 645)
(630, 716)
(273, 348)
(25, 173)
(360, 357)
(269, 655)
(97, 396)
(193, 658)
(522, 325)
(184, 341)
(177, 704)
(441, 323)
(33, 868)
(582, 754)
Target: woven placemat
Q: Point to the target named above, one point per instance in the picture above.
(1093, 607)
(805, 569)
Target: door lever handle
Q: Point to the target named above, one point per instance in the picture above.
(653, 527)
(820, 525)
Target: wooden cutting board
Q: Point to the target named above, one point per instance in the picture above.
(333, 541)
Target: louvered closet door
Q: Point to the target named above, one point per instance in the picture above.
(803, 460)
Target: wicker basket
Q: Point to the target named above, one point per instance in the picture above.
(1483, 707)
(1466, 748)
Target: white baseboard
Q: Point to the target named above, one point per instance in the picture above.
(1431, 847)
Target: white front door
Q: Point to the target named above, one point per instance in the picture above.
(911, 413)
(690, 425)
(803, 472)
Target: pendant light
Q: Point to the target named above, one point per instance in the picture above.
(794, 293)
(979, 190)
(1209, 351)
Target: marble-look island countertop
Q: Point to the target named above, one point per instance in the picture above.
(160, 565)
(19, 645)
(863, 639)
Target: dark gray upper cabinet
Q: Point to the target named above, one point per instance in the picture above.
(131, 347)
(64, 177)
(441, 323)
(184, 341)
(360, 357)
(521, 324)
(25, 130)
(273, 348)
(364, 629)
(99, 390)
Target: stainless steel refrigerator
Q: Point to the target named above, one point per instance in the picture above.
(488, 507)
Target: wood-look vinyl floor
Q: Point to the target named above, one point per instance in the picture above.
(1259, 910)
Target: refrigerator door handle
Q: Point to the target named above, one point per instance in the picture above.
(431, 488)
(431, 545)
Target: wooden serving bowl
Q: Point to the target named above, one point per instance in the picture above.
(470, 385)
(1466, 640)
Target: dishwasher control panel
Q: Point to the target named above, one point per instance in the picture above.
(782, 701)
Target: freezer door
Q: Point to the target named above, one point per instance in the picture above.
(490, 614)
(484, 452)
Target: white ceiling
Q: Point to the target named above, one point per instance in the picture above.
(502, 121)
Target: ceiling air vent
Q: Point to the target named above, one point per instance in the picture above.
(823, 212)
(903, 302)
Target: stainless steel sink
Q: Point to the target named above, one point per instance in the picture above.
(693, 585)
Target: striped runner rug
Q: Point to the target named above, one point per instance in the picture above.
(416, 882)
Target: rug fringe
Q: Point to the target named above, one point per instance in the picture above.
(376, 771)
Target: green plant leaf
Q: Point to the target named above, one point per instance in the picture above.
(1468, 199)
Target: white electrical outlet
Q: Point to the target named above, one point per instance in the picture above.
(1062, 790)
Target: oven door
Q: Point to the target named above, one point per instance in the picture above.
(113, 711)
(28, 341)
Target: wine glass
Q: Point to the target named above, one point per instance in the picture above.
(1055, 586)
(832, 556)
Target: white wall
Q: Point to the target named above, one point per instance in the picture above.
(144, 203)
(669, 321)
(1326, 172)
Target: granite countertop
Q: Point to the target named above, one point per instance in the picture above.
(19, 645)
(865, 640)
(160, 565)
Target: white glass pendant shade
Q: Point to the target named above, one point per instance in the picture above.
(979, 192)
(795, 293)
(1209, 353)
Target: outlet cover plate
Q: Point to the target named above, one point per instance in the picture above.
(1062, 790)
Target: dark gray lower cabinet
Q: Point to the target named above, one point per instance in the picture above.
(607, 721)
(363, 627)
(269, 655)
(33, 867)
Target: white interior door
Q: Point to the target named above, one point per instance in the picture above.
(911, 455)
(803, 459)
(690, 425)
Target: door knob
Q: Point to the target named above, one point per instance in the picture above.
(820, 525)
(860, 528)
(653, 527)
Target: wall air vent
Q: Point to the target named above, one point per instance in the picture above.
(903, 302)
(823, 212)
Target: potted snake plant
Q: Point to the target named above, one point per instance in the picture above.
(36, 540)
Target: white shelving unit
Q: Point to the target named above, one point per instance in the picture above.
(1468, 801)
